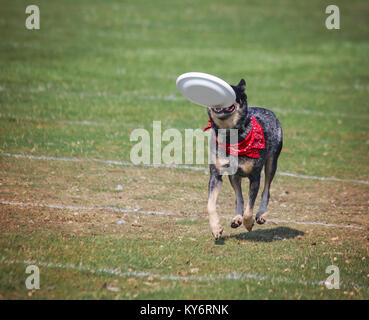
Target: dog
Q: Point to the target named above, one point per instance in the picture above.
(259, 144)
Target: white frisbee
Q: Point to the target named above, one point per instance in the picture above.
(206, 90)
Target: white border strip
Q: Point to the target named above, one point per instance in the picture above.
(141, 274)
(170, 166)
(125, 211)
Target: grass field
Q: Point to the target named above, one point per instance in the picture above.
(72, 92)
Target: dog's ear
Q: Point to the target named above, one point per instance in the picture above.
(242, 85)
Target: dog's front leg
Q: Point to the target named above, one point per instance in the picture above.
(215, 184)
(248, 219)
(235, 181)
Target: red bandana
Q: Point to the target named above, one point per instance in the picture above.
(250, 146)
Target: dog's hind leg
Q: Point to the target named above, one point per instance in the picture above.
(215, 184)
(235, 181)
(270, 169)
(248, 219)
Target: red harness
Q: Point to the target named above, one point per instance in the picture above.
(250, 146)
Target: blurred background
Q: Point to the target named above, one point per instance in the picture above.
(98, 69)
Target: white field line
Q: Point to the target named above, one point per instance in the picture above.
(171, 97)
(139, 211)
(99, 94)
(81, 122)
(84, 123)
(98, 208)
(112, 162)
(170, 166)
(133, 126)
(316, 113)
(316, 223)
(142, 274)
(302, 176)
(125, 125)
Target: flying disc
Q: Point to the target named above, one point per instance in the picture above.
(206, 90)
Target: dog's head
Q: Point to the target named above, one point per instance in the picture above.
(230, 117)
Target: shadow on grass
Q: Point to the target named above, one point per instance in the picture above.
(264, 235)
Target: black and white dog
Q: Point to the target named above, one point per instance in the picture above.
(259, 143)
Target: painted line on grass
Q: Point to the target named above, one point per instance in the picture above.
(97, 208)
(163, 213)
(143, 274)
(169, 97)
(113, 162)
(98, 94)
(302, 176)
(316, 113)
(126, 125)
(170, 166)
(316, 223)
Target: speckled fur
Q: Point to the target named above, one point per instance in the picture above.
(247, 167)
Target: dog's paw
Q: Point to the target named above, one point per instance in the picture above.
(248, 223)
(261, 219)
(236, 221)
(217, 232)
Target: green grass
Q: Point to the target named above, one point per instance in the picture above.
(115, 63)
(162, 251)
(291, 257)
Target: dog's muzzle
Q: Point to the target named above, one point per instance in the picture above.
(224, 110)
